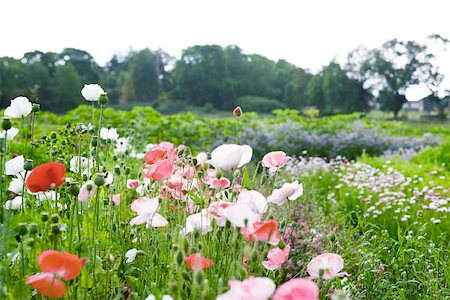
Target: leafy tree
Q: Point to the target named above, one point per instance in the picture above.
(13, 79)
(389, 70)
(83, 63)
(65, 89)
(200, 76)
(144, 73)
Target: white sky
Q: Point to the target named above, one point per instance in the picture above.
(306, 33)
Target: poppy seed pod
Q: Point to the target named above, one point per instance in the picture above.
(22, 228)
(54, 218)
(198, 277)
(103, 99)
(74, 189)
(55, 229)
(44, 216)
(35, 108)
(33, 228)
(28, 165)
(99, 180)
(6, 124)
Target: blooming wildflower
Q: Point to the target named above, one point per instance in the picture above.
(328, 263)
(255, 288)
(52, 264)
(230, 156)
(297, 289)
(196, 261)
(92, 92)
(15, 166)
(289, 191)
(20, 107)
(10, 134)
(46, 176)
(276, 258)
(265, 231)
(274, 160)
(109, 134)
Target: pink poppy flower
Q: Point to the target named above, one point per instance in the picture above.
(328, 263)
(274, 160)
(253, 288)
(132, 183)
(264, 231)
(155, 155)
(220, 183)
(85, 194)
(115, 199)
(276, 258)
(254, 199)
(147, 208)
(289, 191)
(160, 170)
(297, 289)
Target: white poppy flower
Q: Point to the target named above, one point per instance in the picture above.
(16, 186)
(230, 156)
(15, 166)
(10, 134)
(289, 191)
(81, 164)
(109, 134)
(92, 92)
(14, 204)
(131, 255)
(20, 107)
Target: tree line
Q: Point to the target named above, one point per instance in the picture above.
(220, 78)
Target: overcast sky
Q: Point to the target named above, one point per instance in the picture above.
(306, 33)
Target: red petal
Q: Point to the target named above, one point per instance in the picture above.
(46, 176)
(66, 265)
(47, 284)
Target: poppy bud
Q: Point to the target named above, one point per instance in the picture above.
(74, 189)
(127, 171)
(94, 141)
(254, 255)
(236, 173)
(28, 165)
(114, 157)
(179, 258)
(30, 242)
(89, 187)
(33, 228)
(205, 293)
(22, 228)
(53, 135)
(219, 174)
(281, 245)
(44, 216)
(198, 277)
(186, 276)
(55, 229)
(199, 246)
(242, 272)
(54, 218)
(227, 224)
(52, 237)
(117, 170)
(6, 124)
(237, 112)
(99, 180)
(103, 99)
(35, 108)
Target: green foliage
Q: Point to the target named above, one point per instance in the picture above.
(259, 104)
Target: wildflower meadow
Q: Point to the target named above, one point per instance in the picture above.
(109, 204)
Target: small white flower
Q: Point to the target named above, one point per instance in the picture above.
(15, 166)
(122, 145)
(10, 134)
(16, 185)
(81, 164)
(14, 204)
(131, 255)
(92, 92)
(109, 134)
(20, 107)
(109, 178)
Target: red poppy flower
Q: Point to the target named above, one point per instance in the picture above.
(52, 264)
(197, 262)
(46, 176)
(264, 231)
